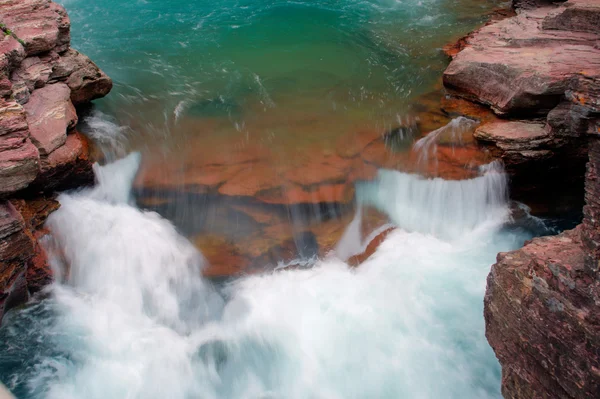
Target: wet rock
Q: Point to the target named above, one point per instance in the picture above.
(591, 211)
(67, 167)
(50, 114)
(516, 141)
(34, 213)
(371, 247)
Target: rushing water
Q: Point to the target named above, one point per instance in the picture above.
(130, 315)
(134, 319)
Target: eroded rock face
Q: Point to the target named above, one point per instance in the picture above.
(519, 66)
(540, 72)
(41, 79)
(15, 248)
(543, 320)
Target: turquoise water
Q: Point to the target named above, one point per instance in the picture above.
(263, 67)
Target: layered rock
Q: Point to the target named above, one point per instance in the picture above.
(542, 309)
(41, 81)
(540, 73)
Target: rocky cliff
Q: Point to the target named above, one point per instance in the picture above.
(42, 80)
(539, 71)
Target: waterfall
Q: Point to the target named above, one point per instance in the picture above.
(446, 209)
(132, 317)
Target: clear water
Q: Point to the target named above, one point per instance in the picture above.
(291, 72)
(130, 315)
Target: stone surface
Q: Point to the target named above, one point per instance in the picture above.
(16, 247)
(543, 320)
(578, 15)
(40, 79)
(517, 142)
(19, 158)
(86, 81)
(50, 114)
(517, 67)
(67, 167)
(41, 24)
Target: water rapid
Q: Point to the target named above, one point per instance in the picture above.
(132, 318)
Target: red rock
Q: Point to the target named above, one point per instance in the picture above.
(39, 271)
(456, 106)
(576, 15)
(50, 114)
(372, 246)
(517, 67)
(350, 146)
(543, 321)
(86, 81)
(514, 135)
(66, 167)
(251, 181)
(18, 167)
(318, 169)
(16, 246)
(41, 24)
(341, 193)
(13, 126)
(11, 54)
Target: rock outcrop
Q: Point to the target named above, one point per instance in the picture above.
(541, 66)
(41, 81)
(539, 71)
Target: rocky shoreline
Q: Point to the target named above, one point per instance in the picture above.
(539, 71)
(42, 80)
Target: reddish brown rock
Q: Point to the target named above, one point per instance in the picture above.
(516, 141)
(41, 24)
(543, 320)
(67, 167)
(86, 81)
(516, 66)
(578, 16)
(50, 114)
(372, 246)
(16, 247)
(11, 54)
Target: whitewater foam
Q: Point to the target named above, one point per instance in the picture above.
(134, 319)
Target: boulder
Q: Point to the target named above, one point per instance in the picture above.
(40, 24)
(517, 141)
(50, 114)
(576, 15)
(517, 67)
(67, 167)
(86, 81)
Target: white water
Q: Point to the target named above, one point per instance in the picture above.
(454, 131)
(137, 321)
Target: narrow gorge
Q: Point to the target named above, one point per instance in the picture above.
(296, 199)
